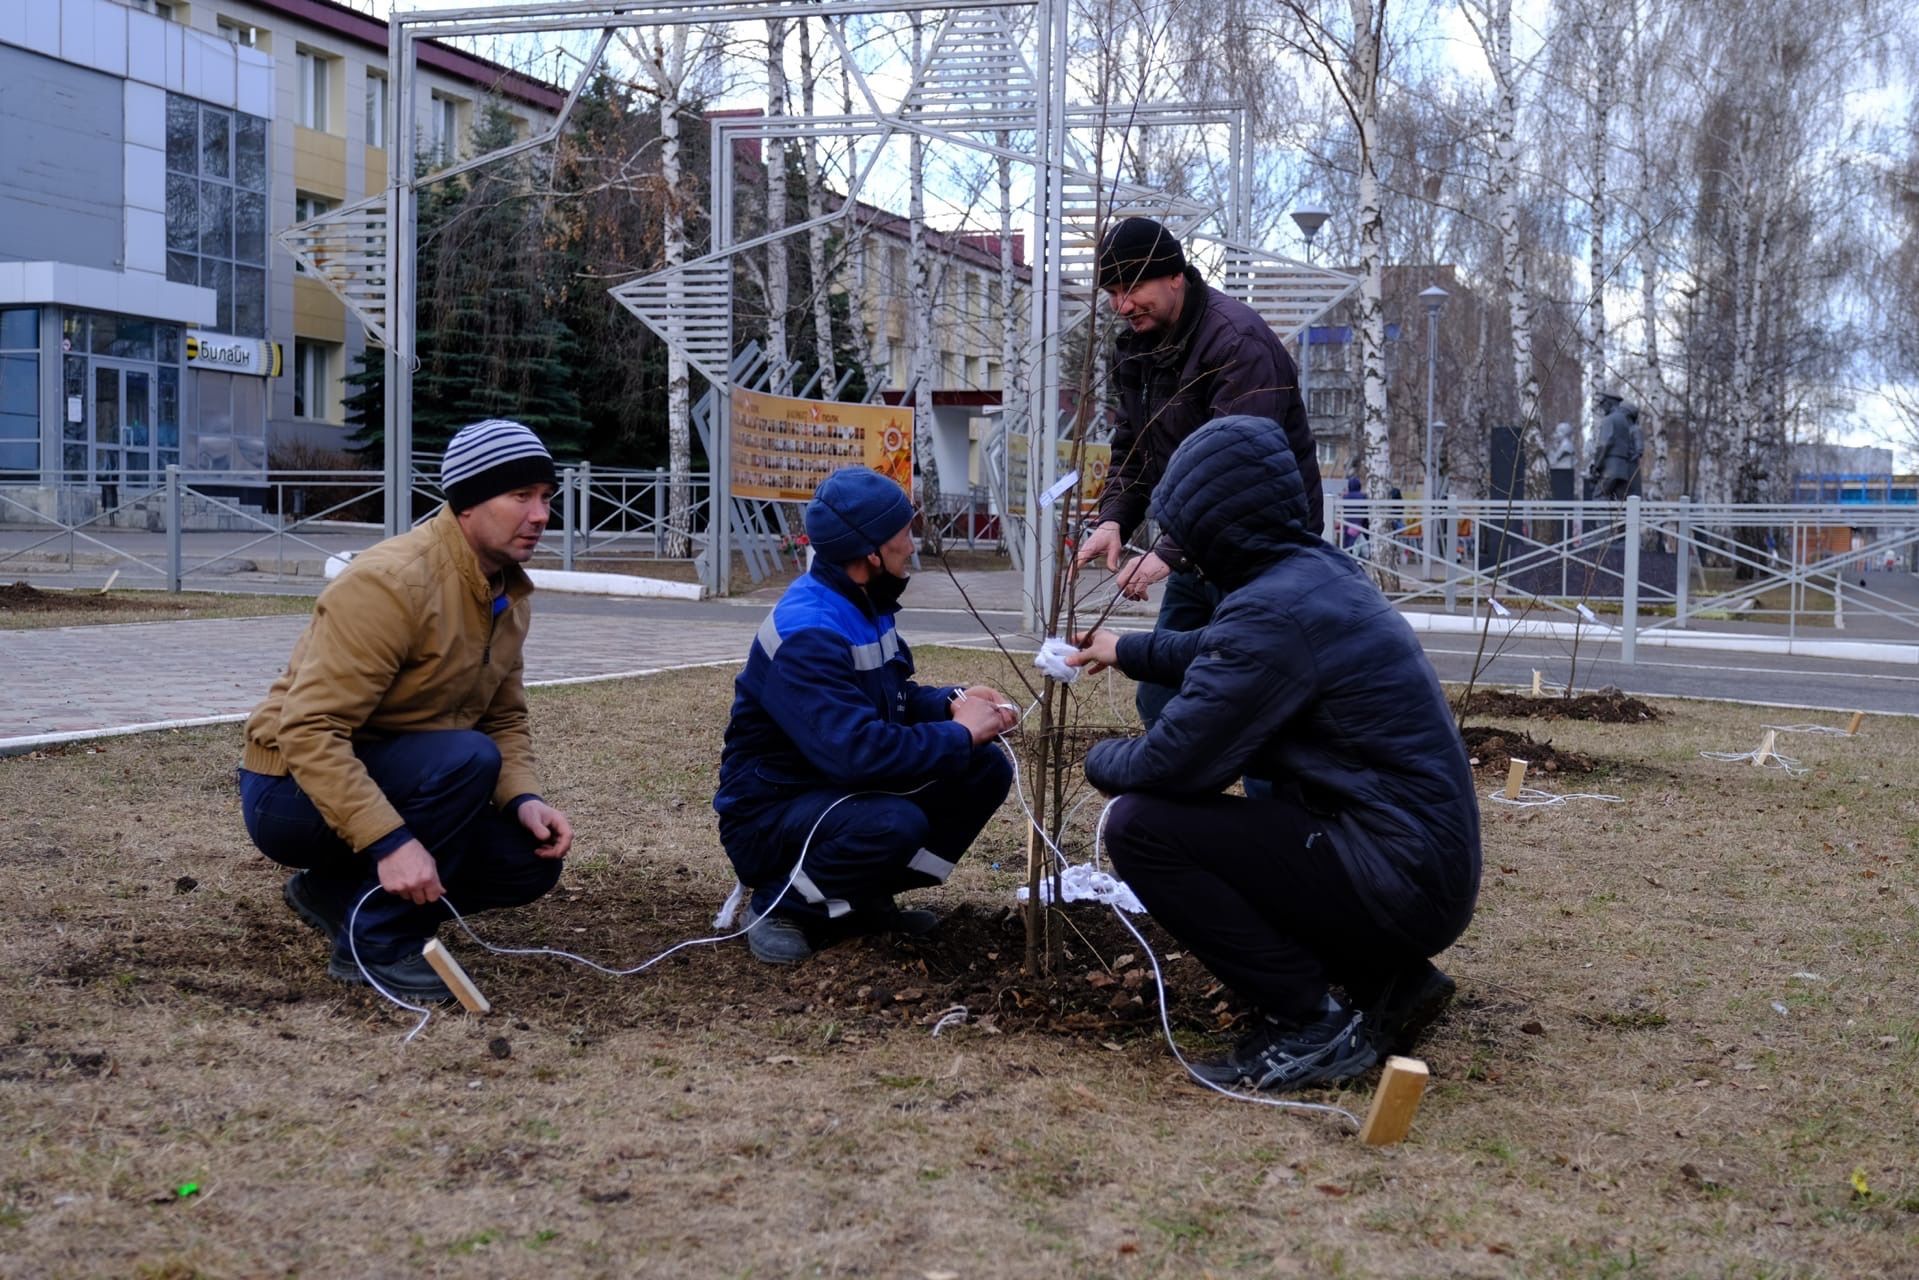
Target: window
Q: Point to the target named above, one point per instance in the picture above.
(158, 8)
(446, 126)
(375, 109)
(19, 390)
(306, 207)
(313, 108)
(312, 390)
(217, 209)
(238, 33)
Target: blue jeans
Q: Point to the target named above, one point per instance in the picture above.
(1187, 604)
(442, 784)
(865, 848)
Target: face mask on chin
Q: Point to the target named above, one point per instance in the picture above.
(882, 588)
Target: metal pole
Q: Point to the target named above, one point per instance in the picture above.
(1629, 607)
(1682, 557)
(400, 247)
(584, 505)
(174, 573)
(1446, 545)
(569, 503)
(659, 511)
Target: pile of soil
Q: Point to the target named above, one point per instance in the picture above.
(1607, 706)
(1492, 748)
(21, 597)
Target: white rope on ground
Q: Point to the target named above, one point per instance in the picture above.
(1830, 730)
(426, 1015)
(1773, 760)
(953, 1017)
(1534, 798)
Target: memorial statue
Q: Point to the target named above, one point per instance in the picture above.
(1615, 457)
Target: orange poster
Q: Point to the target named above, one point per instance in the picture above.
(783, 447)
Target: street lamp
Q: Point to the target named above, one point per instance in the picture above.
(1434, 298)
(1309, 221)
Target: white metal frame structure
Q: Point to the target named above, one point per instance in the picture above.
(974, 82)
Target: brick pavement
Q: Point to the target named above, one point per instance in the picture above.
(102, 678)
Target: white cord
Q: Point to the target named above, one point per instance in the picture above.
(426, 1015)
(1790, 764)
(1830, 730)
(1533, 798)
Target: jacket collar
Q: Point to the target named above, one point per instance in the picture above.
(445, 527)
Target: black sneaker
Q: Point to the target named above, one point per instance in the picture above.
(306, 901)
(778, 940)
(1409, 1005)
(912, 922)
(410, 978)
(1283, 1056)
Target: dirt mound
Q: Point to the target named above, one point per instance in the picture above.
(21, 597)
(1492, 748)
(1607, 706)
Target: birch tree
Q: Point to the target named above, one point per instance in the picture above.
(778, 293)
(816, 235)
(919, 273)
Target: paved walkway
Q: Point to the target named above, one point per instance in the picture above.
(81, 679)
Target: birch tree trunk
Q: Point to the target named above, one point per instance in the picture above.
(667, 62)
(1497, 37)
(816, 236)
(1376, 456)
(778, 296)
(1600, 31)
(1653, 398)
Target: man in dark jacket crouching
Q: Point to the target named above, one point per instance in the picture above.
(1365, 860)
(842, 782)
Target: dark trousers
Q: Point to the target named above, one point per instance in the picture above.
(1187, 604)
(442, 784)
(1256, 891)
(868, 847)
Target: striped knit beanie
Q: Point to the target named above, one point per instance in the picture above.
(487, 459)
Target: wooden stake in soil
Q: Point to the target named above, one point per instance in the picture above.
(455, 977)
(1765, 751)
(1515, 774)
(1538, 691)
(1401, 1085)
(1852, 730)
(111, 579)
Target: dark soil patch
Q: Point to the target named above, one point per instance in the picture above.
(1608, 706)
(1492, 748)
(21, 597)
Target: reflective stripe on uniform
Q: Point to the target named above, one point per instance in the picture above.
(835, 908)
(928, 863)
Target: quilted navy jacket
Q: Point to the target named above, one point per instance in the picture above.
(827, 700)
(1305, 676)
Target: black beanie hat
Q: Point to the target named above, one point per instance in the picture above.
(1138, 249)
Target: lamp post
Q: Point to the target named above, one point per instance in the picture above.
(1434, 298)
(1309, 221)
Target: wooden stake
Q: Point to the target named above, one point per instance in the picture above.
(1401, 1085)
(1765, 751)
(1852, 729)
(455, 977)
(1538, 692)
(1515, 774)
(111, 579)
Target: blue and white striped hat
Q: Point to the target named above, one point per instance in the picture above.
(487, 459)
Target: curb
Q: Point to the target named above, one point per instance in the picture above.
(1605, 633)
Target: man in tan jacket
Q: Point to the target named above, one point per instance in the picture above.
(394, 752)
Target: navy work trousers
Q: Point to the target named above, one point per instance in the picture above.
(863, 847)
(1255, 889)
(1187, 604)
(442, 784)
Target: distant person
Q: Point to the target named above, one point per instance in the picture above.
(1190, 354)
(1353, 527)
(834, 759)
(395, 750)
(1364, 861)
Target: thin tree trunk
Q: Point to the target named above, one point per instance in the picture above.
(667, 61)
(1512, 252)
(816, 237)
(1598, 143)
(918, 269)
(1376, 457)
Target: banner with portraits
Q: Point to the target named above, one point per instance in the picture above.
(784, 446)
(1094, 462)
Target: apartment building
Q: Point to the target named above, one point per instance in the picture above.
(148, 151)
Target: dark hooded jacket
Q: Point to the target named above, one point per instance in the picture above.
(1308, 677)
(1219, 359)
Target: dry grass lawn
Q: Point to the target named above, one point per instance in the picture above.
(1687, 1044)
(23, 607)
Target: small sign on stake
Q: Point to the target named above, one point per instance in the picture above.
(1058, 491)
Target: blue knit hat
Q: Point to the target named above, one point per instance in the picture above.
(487, 459)
(853, 511)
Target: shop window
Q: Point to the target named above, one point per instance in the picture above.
(19, 391)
